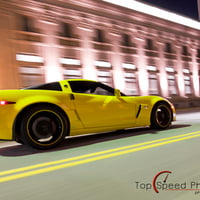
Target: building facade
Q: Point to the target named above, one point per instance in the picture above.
(141, 54)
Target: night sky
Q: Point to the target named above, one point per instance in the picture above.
(183, 7)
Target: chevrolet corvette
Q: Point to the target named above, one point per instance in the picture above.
(43, 115)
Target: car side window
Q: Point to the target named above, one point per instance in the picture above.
(89, 87)
(81, 86)
(103, 90)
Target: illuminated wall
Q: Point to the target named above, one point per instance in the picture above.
(135, 51)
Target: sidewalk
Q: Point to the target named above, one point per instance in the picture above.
(187, 110)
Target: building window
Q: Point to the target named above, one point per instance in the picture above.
(168, 48)
(72, 73)
(26, 24)
(172, 85)
(128, 66)
(105, 77)
(126, 40)
(170, 69)
(152, 68)
(185, 51)
(198, 53)
(67, 30)
(149, 44)
(187, 81)
(131, 83)
(99, 36)
(186, 71)
(104, 73)
(131, 87)
(71, 68)
(30, 76)
(70, 61)
(153, 84)
(104, 64)
(29, 71)
(29, 58)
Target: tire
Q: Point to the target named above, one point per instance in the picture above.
(43, 127)
(161, 116)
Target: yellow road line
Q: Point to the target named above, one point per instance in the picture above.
(74, 161)
(91, 154)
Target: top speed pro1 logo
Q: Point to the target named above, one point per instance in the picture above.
(159, 180)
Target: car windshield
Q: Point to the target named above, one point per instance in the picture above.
(47, 86)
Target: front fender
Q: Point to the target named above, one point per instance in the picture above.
(145, 105)
(156, 100)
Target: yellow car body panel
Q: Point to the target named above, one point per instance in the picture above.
(95, 110)
(87, 113)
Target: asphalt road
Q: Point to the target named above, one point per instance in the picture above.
(132, 164)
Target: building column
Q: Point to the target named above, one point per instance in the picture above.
(118, 73)
(142, 69)
(163, 81)
(195, 72)
(180, 75)
(87, 56)
(53, 71)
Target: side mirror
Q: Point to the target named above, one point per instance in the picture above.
(117, 93)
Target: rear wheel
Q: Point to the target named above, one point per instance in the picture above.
(43, 127)
(161, 116)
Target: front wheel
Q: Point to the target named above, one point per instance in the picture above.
(43, 127)
(161, 116)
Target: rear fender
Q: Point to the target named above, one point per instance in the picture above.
(29, 100)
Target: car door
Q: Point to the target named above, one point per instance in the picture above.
(96, 105)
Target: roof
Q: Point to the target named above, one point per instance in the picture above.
(157, 12)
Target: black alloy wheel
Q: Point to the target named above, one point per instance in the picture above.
(44, 127)
(161, 116)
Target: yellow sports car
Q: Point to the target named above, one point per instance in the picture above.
(43, 115)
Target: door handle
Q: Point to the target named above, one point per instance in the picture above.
(72, 97)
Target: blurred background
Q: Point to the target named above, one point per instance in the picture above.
(131, 45)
